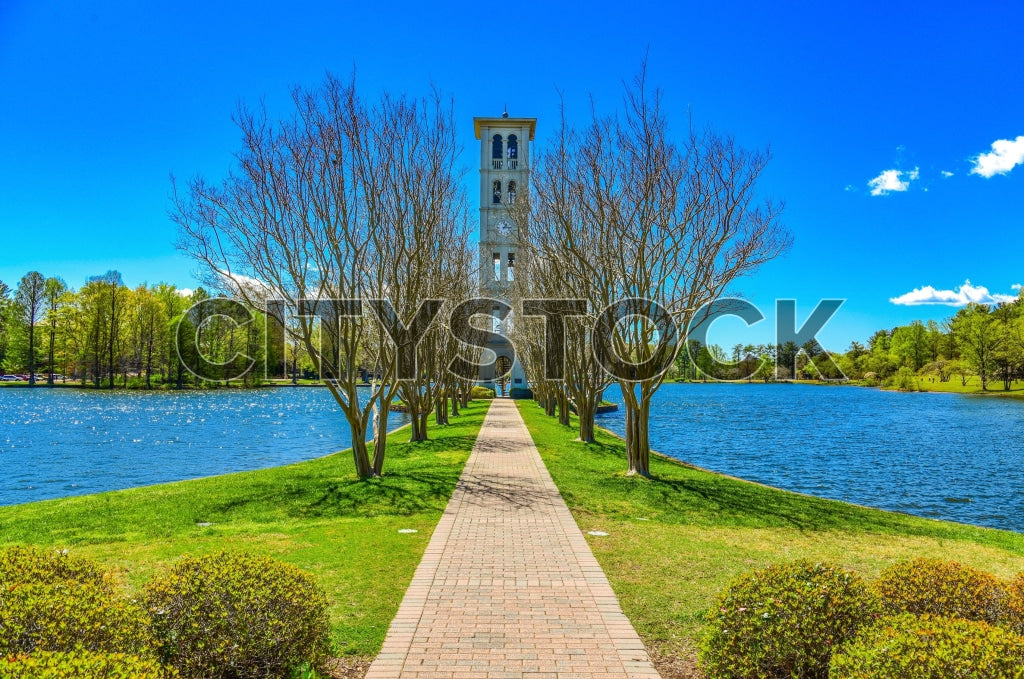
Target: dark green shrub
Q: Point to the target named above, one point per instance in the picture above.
(944, 588)
(25, 564)
(929, 647)
(82, 665)
(70, 615)
(480, 393)
(238, 616)
(784, 621)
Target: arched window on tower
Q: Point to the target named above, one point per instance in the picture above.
(511, 192)
(496, 146)
(513, 152)
(497, 191)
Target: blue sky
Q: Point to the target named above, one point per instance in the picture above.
(101, 102)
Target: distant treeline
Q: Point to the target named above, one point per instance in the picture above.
(106, 334)
(986, 341)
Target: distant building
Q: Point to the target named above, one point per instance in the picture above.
(504, 177)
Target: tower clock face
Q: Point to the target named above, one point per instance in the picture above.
(504, 228)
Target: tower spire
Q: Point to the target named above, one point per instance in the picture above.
(504, 113)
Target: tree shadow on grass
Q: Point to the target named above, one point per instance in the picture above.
(417, 478)
(412, 482)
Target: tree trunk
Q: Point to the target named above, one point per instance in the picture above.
(638, 447)
(31, 353)
(415, 434)
(360, 449)
(380, 443)
(549, 404)
(113, 334)
(417, 409)
(49, 376)
(441, 409)
(564, 412)
(455, 401)
(360, 453)
(586, 413)
(149, 361)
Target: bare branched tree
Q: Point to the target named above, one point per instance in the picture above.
(344, 201)
(621, 210)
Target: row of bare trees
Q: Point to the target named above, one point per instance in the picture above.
(354, 200)
(621, 210)
(347, 200)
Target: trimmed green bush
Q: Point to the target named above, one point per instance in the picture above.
(238, 616)
(82, 665)
(784, 621)
(22, 564)
(1014, 618)
(944, 588)
(478, 393)
(929, 647)
(71, 615)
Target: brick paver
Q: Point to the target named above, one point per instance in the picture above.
(508, 586)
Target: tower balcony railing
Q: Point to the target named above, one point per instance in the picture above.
(504, 163)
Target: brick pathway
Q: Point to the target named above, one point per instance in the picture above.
(508, 586)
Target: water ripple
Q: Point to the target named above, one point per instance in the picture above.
(60, 442)
(938, 455)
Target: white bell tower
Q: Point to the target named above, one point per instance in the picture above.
(504, 178)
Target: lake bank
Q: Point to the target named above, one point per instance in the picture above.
(952, 386)
(63, 442)
(929, 454)
(938, 455)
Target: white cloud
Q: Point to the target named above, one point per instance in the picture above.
(1005, 156)
(892, 181)
(247, 287)
(947, 174)
(1015, 286)
(962, 296)
(184, 292)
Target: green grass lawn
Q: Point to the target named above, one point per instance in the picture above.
(676, 540)
(314, 514)
(973, 386)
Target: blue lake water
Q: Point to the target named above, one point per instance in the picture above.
(943, 456)
(60, 442)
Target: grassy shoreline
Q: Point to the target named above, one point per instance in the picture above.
(953, 386)
(676, 540)
(315, 514)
